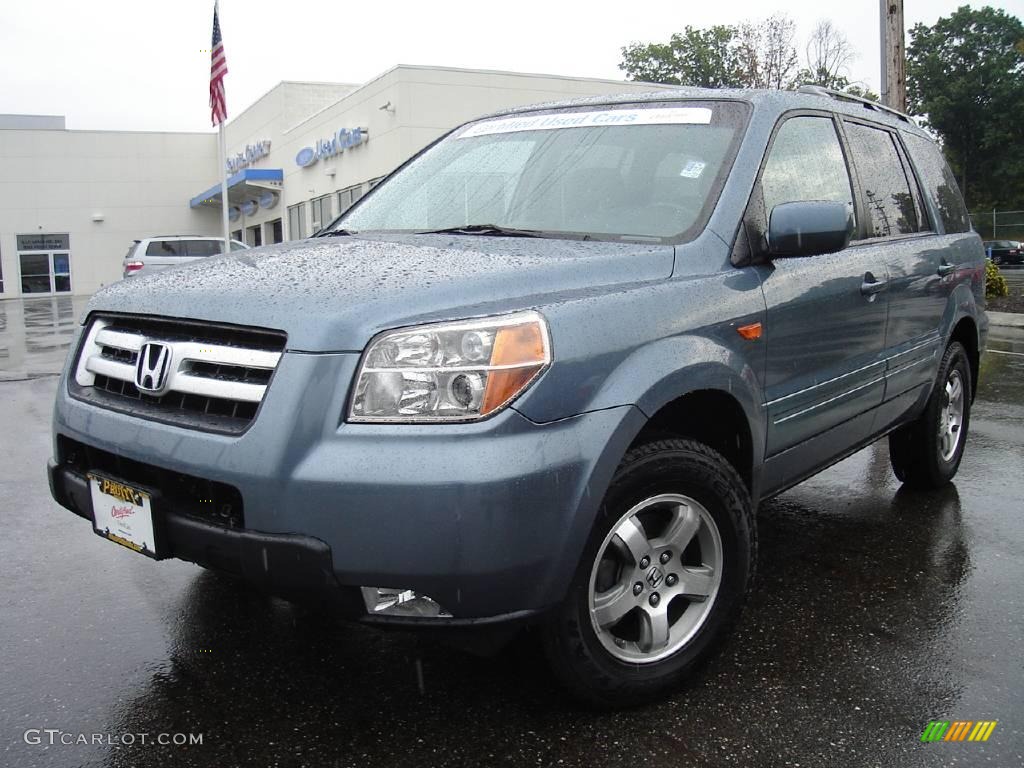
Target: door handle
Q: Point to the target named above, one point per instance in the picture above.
(871, 285)
(945, 269)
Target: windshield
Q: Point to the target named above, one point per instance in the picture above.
(636, 171)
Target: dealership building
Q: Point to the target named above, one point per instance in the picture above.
(73, 201)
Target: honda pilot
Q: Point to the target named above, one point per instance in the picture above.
(544, 373)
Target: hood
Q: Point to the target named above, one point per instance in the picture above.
(333, 294)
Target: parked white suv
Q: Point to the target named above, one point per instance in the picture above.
(156, 253)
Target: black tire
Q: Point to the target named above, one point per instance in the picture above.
(574, 651)
(915, 449)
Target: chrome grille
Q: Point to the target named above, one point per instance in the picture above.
(216, 379)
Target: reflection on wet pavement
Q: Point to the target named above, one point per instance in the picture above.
(35, 334)
(876, 610)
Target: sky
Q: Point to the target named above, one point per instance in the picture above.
(143, 65)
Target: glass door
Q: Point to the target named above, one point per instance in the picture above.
(35, 273)
(45, 272)
(61, 263)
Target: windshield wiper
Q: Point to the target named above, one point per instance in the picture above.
(335, 233)
(485, 229)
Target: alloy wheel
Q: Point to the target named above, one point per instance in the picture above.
(655, 578)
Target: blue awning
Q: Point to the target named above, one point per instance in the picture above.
(247, 184)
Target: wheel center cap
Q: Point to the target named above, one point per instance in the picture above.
(654, 577)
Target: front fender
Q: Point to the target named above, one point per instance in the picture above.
(654, 375)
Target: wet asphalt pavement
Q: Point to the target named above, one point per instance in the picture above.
(876, 610)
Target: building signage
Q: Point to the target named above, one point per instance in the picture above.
(344, 139)
(43, 242)
(268, 200)
(248, 156)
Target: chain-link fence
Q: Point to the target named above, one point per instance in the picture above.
(999, 225)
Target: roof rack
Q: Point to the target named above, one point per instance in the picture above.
(832, 93)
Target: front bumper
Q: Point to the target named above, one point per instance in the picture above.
(488, 519)
(286, 564)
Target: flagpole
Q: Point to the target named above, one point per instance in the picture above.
(222, 159)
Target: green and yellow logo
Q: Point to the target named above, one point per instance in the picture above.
(958, 730)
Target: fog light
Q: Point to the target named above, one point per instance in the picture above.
(384, 601)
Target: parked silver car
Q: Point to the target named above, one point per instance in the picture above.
(156, 253)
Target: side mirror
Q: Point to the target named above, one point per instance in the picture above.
(809, 227)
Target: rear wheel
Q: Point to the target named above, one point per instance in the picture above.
(926, 453)
(662, 578)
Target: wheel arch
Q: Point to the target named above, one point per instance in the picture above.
(716, 399)
(713, 417)
(965, 331)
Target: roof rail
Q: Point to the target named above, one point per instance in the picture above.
(832, 93)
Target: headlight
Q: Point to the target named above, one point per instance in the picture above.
(450, 371)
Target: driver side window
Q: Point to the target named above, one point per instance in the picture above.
(806, 163)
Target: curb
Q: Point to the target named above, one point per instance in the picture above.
(6, 376)
(1006, 319)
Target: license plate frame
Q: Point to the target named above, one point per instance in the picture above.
(123, 513)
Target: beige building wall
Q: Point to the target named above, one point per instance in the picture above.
(103, 189)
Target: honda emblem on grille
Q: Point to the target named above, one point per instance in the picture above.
(153, 367)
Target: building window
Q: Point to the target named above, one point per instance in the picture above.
(237, 235)
(273, 231)
(297, 221)
(320, 213)
(45, 263)
(348, 196)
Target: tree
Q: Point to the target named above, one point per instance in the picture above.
(965, 77)
(700, 57)
(859, 89)
(778, 54)
(753, 55)
(828, 54)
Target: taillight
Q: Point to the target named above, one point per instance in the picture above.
(130, 267)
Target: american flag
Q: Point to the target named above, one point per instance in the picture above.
(218, 68)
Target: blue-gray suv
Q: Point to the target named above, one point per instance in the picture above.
(544, 373)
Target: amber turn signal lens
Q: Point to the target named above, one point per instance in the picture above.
(750, 332)
(521, 346)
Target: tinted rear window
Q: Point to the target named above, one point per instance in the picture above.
(940, 183)
(166, 248)
(203, 247)
(183, 248)
(892, 207)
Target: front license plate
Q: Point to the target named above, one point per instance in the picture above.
(122, 513)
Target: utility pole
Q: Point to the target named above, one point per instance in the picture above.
(894, 60)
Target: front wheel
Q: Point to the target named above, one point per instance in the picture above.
(926, 453)
(662, 578)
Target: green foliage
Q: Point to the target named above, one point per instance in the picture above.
(965, 74)
(860, 90)
(748, 55)
(995, 283)
(700, 57)
(751, 55)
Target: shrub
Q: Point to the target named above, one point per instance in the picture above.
(995, 283)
